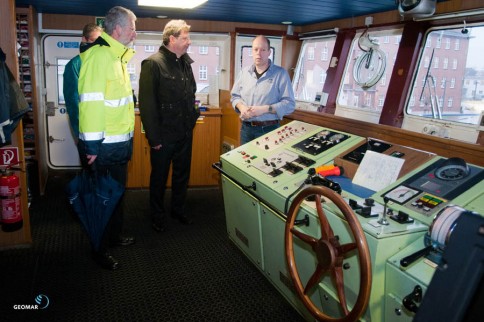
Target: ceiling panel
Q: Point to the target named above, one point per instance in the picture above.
(299, 12)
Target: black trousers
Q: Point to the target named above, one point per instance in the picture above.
(179, 155)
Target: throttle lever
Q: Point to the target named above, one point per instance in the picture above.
(404, 262)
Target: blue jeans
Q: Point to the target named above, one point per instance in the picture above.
(249, 132)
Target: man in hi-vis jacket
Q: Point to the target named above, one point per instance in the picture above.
(106, 114)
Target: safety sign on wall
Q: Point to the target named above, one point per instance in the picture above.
(9, 156)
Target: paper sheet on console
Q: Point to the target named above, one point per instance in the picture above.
(376, 170)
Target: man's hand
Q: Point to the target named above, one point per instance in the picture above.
(258, 110)
(244, 111)
(247, 112)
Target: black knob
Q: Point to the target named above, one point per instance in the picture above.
(353, 204)
(365, 211)
(410, 301)
(402, 216)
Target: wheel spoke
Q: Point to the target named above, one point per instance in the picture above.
(315, 279)
(330, 255)
(305, 238)
(347, 248)
(337, 274)
(326, 231)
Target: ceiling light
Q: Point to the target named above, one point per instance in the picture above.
(181, 4)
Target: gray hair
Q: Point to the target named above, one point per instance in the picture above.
(174, 28)
(117, 16)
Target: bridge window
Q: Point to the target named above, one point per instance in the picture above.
(460, 86)
(310, 73)
(364, 85)
(207, 52)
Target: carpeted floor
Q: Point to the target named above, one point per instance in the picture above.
(188, 273)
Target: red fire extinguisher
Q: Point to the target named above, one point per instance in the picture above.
(11, 210)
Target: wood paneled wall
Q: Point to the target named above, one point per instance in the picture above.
(230, 120)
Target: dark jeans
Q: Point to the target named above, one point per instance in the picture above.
(249, 133)
(179, 155)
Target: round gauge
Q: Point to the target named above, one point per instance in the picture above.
(401, 194)
(452, 169)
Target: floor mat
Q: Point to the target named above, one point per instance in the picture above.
(188, 273)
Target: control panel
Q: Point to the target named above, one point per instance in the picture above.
(274, 165)
(406, 223)
(436, 186)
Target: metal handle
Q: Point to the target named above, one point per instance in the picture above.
(52, 139)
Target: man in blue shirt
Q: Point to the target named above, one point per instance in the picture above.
(262, 93)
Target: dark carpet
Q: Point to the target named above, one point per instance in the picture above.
(188, 273)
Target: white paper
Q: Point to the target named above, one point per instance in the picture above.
(377, 171)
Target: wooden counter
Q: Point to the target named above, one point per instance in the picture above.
(206, 151)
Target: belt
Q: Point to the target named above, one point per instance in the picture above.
(262, 123)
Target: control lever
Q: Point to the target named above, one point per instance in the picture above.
(383, 220)
(404, 262)
(409, 301)
(369, 202)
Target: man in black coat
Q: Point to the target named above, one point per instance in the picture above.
(167, 107)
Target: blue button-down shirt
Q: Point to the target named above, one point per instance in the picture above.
(273, 88)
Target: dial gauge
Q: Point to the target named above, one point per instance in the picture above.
(401, 194)
(452, 169)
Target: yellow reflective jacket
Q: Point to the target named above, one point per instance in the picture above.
(106, 106)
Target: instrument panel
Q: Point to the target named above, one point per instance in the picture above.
(405, 221)
(432, 188)
(274, 165)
